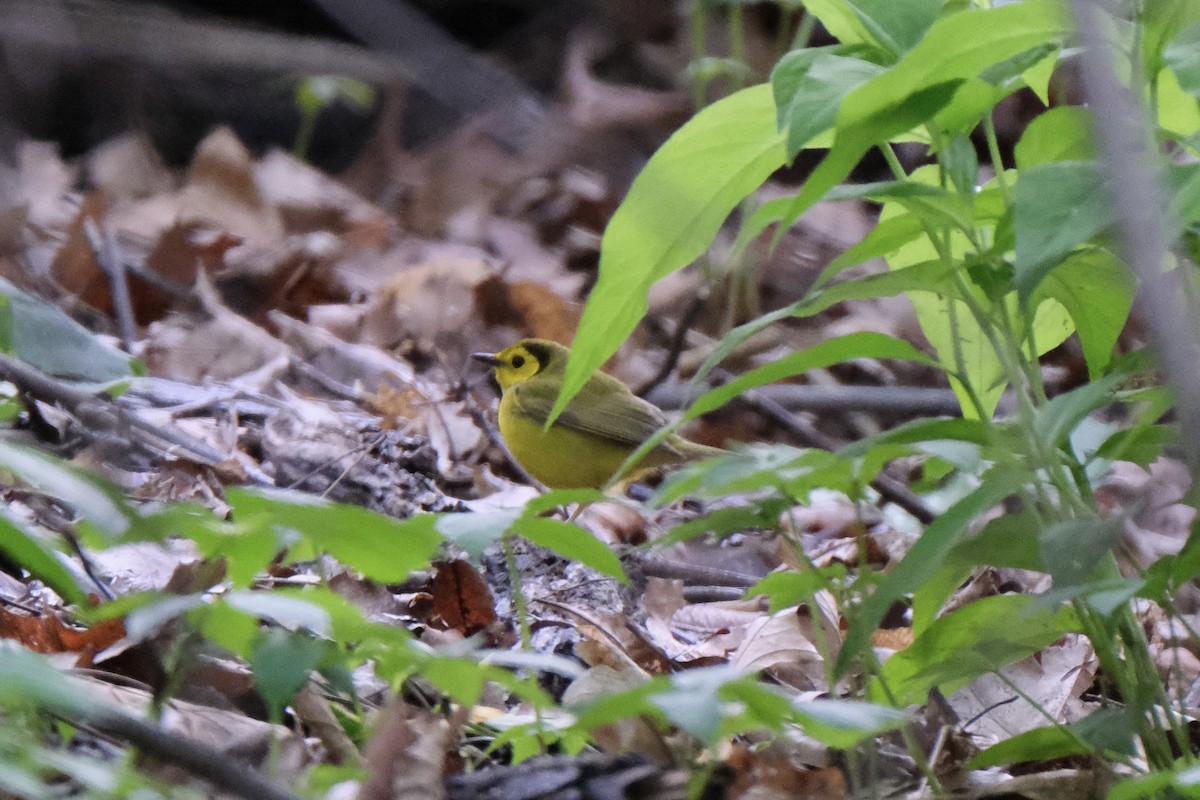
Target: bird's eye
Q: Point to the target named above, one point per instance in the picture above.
(518, 362)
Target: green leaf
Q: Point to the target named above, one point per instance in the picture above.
(1054, 421)
(94, 499)
(786, 589)
(923, 560)
(787, 469)
(972, 641)
(380, 547)
(475, 532)
(1096, 289)
(28, 677)
(281, 666)
(957, 47)
(897, 26)
(1057, 207)
(673, 210)
(27, 551)
(1105, 730)
(572, 542)
(1182, 56)
(809, 86)
(843, 724)
(291, 612)
(1059, 134)
(1072, 549)
(46, 338)
(865, 344)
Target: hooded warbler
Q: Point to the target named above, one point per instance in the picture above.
(600, 427)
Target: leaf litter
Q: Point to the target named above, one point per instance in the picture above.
(298, 335)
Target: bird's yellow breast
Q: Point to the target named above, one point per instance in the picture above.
(561, 458)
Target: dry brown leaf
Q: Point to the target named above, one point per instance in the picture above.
(48, 634)
(216, 344)
(222, 192)
(771, 774)
(1053, 678)
(406, 755)
(462, 600)
(781, 638)
(127, 167)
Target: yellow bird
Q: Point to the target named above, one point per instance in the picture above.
(600, 427)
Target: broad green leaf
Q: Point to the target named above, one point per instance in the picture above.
(956, 48)
(1168, 32)
(281, 664)
(1184, 185)
(896, 26)
(672, 212)
(1105, 729)
(1057, 207)
(28, 552)
(843, 724)
(809, 86)
(972, 641)
(1182, 56)
(1096, 289)
(46, 338)
(923, 560)
(838, 17)
(786, 589)
(1072, 549)
(380, 547)
(288, 611)
(572, 542)
(475, 532)
(1059, 134)
(1178, 111)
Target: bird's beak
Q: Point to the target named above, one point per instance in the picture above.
(486, 358)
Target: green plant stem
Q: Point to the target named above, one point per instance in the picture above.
(993, 145)
(520, 609)
(737, 41)
(699, 37)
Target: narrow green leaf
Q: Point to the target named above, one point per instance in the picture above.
(980, 637)
(843, 724)
(572, 542)
(1104, 730)
(866, 344)
(97, 501)
(29, 553)
(671, 214)
(924, 558)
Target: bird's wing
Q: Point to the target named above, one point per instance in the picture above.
(613, 411)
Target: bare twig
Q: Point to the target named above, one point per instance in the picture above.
(104, 249)
(677, 341)
(888, 487)
(199, 759)
(107, 415)
(662, 568)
